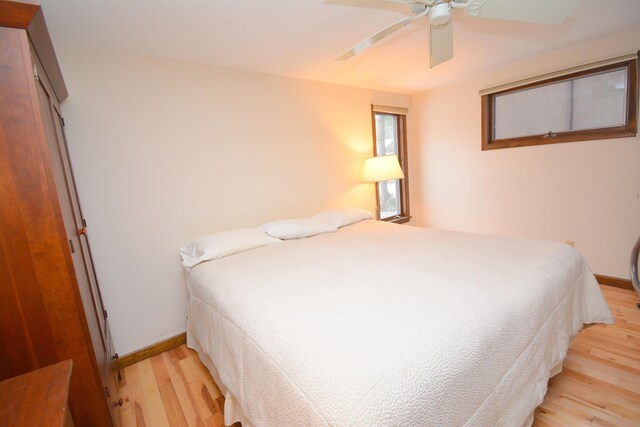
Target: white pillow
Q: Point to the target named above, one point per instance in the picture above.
(344, 216)
(297, 228)
(221, 244)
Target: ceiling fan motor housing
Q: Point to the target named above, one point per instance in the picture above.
(440, 14)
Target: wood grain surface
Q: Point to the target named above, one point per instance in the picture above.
(37, 398)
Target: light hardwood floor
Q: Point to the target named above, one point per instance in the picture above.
(599, 383)
(600, 379)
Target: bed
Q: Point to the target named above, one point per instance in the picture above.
(379, 324)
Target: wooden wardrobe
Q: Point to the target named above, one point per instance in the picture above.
(50, 304)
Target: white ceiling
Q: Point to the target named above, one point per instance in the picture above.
(300, 38)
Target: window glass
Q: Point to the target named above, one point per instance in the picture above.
(533, 112)
(389, 194)
(590, 102)
(598, 103)
(386, 134)
(389, 137)
(387, 143)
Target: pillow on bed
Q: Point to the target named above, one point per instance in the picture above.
(221, 244)
(344, 216)
(297, 228)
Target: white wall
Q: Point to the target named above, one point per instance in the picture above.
(165, 151)
(588, 192)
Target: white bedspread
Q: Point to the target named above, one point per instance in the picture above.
(380, 325)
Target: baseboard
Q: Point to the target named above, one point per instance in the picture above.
(614, 281)
(152, 350)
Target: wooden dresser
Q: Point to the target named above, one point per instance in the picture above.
(50, 304)
(37, 398)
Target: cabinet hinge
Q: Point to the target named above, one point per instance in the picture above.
(35, 72)
(62, 121)
(84, 222)
(105, 314)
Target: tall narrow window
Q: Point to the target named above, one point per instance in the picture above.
(390, 138)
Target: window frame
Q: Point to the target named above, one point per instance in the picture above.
(630, 129)
(405, 215)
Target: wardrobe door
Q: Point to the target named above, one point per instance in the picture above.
(76, 227)
(108, 368)
(69, 217)
(81, 230)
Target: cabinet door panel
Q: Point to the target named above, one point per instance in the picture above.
(79, 223)
(66, 207)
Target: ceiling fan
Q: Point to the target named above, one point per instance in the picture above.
(441, 27)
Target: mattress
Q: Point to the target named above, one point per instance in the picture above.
(380, 324)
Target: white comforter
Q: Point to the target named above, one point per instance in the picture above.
(381, 324)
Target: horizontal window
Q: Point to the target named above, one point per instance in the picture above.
(598, 103)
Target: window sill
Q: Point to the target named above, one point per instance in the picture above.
(398, 219)
(584, 135)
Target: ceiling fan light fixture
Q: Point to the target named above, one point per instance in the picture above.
(440, 14)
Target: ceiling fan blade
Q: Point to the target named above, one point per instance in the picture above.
(441, 43)
(535, 11)
(379, 36)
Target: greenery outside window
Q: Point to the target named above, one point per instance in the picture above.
(390, 137)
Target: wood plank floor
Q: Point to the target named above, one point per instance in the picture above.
(599, 384)
(600, 379)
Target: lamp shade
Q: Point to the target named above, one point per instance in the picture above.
(382, 168)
